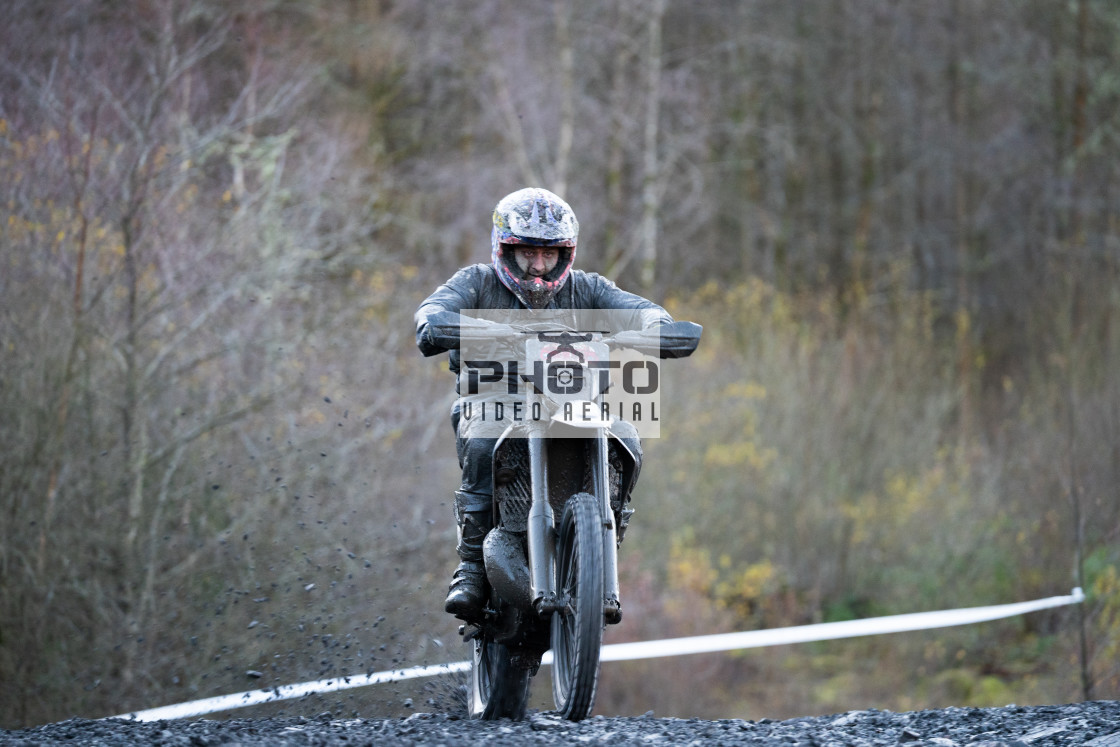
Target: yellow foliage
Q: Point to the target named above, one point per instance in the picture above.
(909, 493)
(739, 454)
(905, 500)
(964, 325)
(749, 584)
(1106, 590)
(690, 568)
(748, 390)
(862, 515)
(379, 282)
(738, 588)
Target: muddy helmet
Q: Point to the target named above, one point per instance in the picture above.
(534, 217)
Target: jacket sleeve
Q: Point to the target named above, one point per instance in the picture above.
(458, 293)
(610, 296)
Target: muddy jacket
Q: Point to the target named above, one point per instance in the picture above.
(478, 287)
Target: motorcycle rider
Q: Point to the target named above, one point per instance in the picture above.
(533, 247)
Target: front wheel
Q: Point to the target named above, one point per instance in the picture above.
(577, 629)
(499, 688)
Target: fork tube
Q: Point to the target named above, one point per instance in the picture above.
(601, 475)
(542, 535)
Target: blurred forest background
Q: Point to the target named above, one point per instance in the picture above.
(224, 465)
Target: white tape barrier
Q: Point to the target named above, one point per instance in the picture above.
(629, 651)
(287, 692)
(830, 631)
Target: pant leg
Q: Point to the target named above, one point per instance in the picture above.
(476, 455)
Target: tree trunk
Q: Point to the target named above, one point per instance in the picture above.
(651, 175)
(959, 118)
(567, 109)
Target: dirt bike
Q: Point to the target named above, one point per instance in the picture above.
(562, 479)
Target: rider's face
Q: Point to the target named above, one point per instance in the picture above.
(536, 261)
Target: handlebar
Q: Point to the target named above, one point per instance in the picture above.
(673, 340)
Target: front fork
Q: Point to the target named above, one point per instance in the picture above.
(542, 532)
(600, 478)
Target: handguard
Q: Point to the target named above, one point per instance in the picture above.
(447, 329)
(673, 340)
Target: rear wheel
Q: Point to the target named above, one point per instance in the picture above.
(577, 629)
(499, 689)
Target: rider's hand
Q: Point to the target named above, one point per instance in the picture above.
(449, 330)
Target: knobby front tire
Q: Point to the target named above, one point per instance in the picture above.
(577, 630)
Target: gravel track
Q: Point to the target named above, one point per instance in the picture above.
(1092, 724)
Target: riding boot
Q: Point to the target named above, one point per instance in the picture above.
(467, 593)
